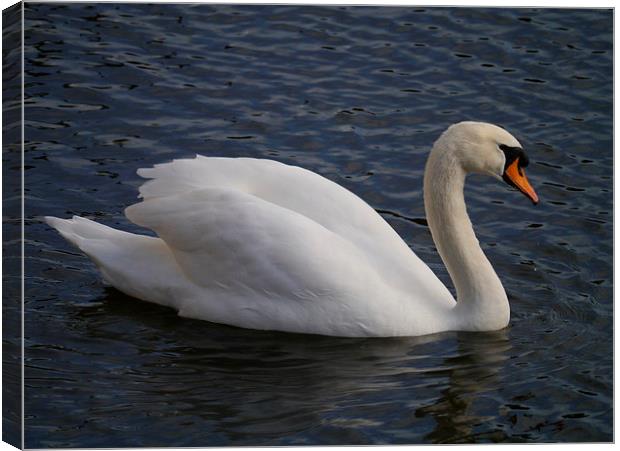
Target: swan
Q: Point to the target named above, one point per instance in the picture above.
(258, 244)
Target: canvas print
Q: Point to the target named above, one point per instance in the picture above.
(276, 225)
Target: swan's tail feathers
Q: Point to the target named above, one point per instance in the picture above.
(78, 229)
(138, 265)
(84, 233)
(94, 239)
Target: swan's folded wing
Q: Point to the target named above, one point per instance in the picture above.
(245, 196)
(290, 187)
(236, 241)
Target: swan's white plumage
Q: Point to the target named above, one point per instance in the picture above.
(141, 266)
(260, 244)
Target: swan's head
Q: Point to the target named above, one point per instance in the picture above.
(488, 149)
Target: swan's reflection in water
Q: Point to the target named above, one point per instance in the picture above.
(474, 376)
(265, 388)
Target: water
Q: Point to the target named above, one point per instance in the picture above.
(357, 94)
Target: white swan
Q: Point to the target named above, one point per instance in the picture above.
(263, 245)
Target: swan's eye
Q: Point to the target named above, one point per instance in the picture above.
(512, 153)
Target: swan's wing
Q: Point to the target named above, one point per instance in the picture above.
(286, 191)
(260, 265)
(234, 240)
(290, 187)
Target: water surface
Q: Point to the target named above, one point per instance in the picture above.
(357, 94)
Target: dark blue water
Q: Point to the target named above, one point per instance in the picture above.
(357, 94)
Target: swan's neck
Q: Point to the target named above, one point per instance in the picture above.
(481, 300)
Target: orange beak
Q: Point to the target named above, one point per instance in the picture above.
(515, 176)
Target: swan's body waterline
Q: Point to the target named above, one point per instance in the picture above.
(259, 244)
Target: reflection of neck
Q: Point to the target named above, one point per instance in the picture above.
(482, 302)
(473, 368)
